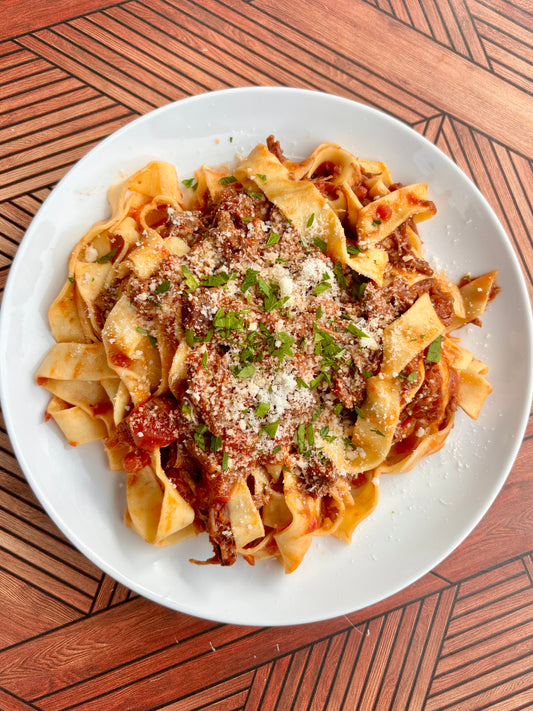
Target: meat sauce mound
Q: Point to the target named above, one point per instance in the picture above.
(272, 361)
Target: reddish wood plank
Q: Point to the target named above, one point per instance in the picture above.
(26, 612)
(104, 641)
(473, 95)
(27, 15)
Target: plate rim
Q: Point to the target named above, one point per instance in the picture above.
(19, 259)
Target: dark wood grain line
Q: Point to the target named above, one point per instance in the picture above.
(53, 135)
(46, 526)
(45, 45)
(397, 658)
(512, 194)
(121, 14)
(12, 702)
(94, 680)
(265, 688)
(441, 577)
(528, 565)
(33, 98)
(135, 64)
(293, 676)
(491, 590)
(12, 226)
(476, 96)
(520, 44)
(8, 254)
(490, 576)
(10, 466)
(17, 58)
(259, 65)
(325, 48)
(329, 700)
(418, 18)
(47, 105)
(516, 648)
(431, 648)
(308, 681)
(492, 609)
(469, 689)
(467, 131)
(81, 609)
(328, 672)
(30, 69)
(475, 46)
(519, 18)
(41, 16)
(255, 689)
(329, 57)
(226, 696)
(501, 56)
(361, 665)
(444, 633)
(485, 630)
(57, 113)
(22, 86)
(51, 546)
(500, 204)
(50, 172)
(361, 700)
(371, 694)
(80, 584)
(406, 675)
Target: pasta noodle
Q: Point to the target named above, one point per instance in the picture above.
(255, 349)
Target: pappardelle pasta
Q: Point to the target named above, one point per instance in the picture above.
(254, 350)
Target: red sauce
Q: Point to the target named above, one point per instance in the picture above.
(153, 424)
(383, 212)
(135, 461)
(118, 359)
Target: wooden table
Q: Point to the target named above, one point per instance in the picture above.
(459, 72)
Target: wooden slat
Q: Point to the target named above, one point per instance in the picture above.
(476, 95)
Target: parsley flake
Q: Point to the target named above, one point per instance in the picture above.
(262, 409)
(270, 429)
(434, 351)
(107, 257)
(273, 238)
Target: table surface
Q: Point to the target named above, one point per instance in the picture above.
(459, 72)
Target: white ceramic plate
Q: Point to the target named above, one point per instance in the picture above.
(422, 516)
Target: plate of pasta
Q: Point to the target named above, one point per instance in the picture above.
(266, 347)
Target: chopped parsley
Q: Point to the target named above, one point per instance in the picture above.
(355, 331)
(246, 372)
(227, 180)
(104, 259)
(321, 287)
(434, 351)
(261, 409)
(190, 183)
(273, 238)
(352, 249)
(218, 279)
(163, 287)
(190, 280)
(152, 339)
(270, 429)
(320, 244)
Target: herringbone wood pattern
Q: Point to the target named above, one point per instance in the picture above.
(458, 71)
